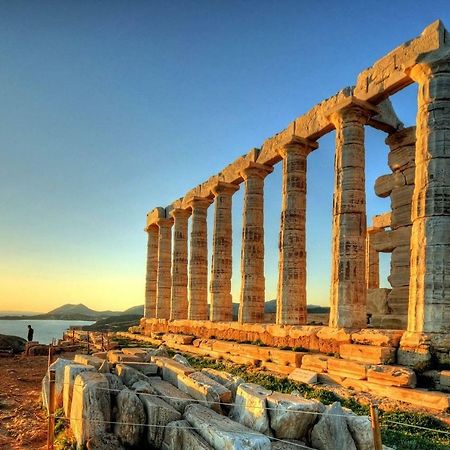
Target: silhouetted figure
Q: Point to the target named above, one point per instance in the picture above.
(30, 333)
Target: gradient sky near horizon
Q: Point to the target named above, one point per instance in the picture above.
(110, 108)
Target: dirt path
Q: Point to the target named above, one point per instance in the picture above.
(23, 422)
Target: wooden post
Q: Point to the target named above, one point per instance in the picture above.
(103, 344)
(88, 342)
(50, 356)
(375, 427)
(51, 411)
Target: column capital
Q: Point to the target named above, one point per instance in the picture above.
(298, 145)
(164, 222)
(255, 170)
(432, 63)
(151, 227)
(199, 202)
(180, 213)
(353, 110)
(224, 188)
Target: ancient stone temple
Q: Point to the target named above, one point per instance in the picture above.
(416, 231)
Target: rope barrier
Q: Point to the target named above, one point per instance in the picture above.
(415, 426)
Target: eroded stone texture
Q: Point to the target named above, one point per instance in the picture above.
(151, 272)
(164, 278)
(348, 278)
(251, 306)
(130, 418)
(198, 261)
(70, 373)
(221, 267)
(372, 262)
(291, 296)
(179, 296)
(429, 295)
(180, 435)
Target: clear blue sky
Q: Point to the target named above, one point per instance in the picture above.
(110, 108)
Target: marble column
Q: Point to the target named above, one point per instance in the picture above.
(348, 271)
(179, 297)
(372, 261)
(163, 283)
(151, 272)
(198, 261)
(291, 296)
(429, 292)
(221, 267)
(251, 306)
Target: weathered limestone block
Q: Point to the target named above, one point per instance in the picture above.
(130, 418)
(331, 431)
(344, 368)
(330, 339)
(316, 363)
(385, 338)
(200, 387)
(223, 433)
(401, 196)
(181, 359)
(400, 256)
(386, 183)
(103, 441)
(444, 379)
(399, 276)
(361, 430)
(286, 357)
(117, 356)
(303, 376)
(330, 379)
(387, 241)
(159, 414)
(291, 416)
(402, 157)
(391, 375)
(70, 373)
(171, 369)
(401, 216)
(230, 382)
(128, 375)
(381, 220)
(371, 354)
(88, 360)
(142, 352)
(290, 444)
(179, 435)
(101, 355)
(172, 395)
(377, 301)
(148, 369)
(91, 406)
(59, 367)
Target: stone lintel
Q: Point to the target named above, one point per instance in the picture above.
(153, 216)
(224, 188)
(380, 221)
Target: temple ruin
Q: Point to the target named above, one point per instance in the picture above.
(416, 309)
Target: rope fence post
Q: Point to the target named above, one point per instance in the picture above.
(376, 430)
(51, 411)
(50, 354)
(88, 342)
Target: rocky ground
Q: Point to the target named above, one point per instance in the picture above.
(23, 423)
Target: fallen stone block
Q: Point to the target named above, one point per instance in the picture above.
(200, 387)
(130, 418)
(172, 395)
(250, 407)
(91, 406)
(115, 357)
(179, 435)
(181, 359)
(290, 444)
(330, 379)
(344, 368)
(171, 369)
(128, 375)
(316, 363)
(385, 338)
(104, 441)
(231, 382)
(159, 414)
(101, 355)
(303, 376)
(392, 376)
(70, 373)
(369, 354)
(331, 431)
(292, 416)
(135, 351)
(89, 360)
(360, 428)
(58, 366)
(286, 357)
(223, 433)
(147, 368)
(241, 359)
(277, 368)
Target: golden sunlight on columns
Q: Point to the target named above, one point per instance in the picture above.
(348, 271)
(429, 292)
(221, 267)
(151, 272)
(179, 298)
(291, 297)
(163, 284)
(372, 261)
(198, 260)
(251, 306)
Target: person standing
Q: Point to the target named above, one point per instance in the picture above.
(30, 333)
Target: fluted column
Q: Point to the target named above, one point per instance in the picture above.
(291, 297)
(251, 305)
(372, 261)
(221, 267)
(151, 272)
(163, 284)
(179, 298)
(198, 261)
(348, 277)
(429, 292)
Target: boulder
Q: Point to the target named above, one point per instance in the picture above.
(179, 435)
(331, 431)
(70, 373)
(291, 416)
(361, 430)
(91, 407)
(250, 407)
(89, 360)
(129, 375)
(222, 433)
(58, 366)
(104, 441)
(231, 382)
(14, 343)
(159, 414)
(130, 410)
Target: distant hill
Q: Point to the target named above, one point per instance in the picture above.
(139, 310)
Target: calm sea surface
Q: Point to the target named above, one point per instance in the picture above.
(44, 330)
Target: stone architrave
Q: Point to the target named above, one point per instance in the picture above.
(163, 282)
(221, 267)
(348, 273)
(372, 261)
(179, 296)
(198, 260)
(429, 292)
(251, 306)
(151, 272)
(291, 298)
